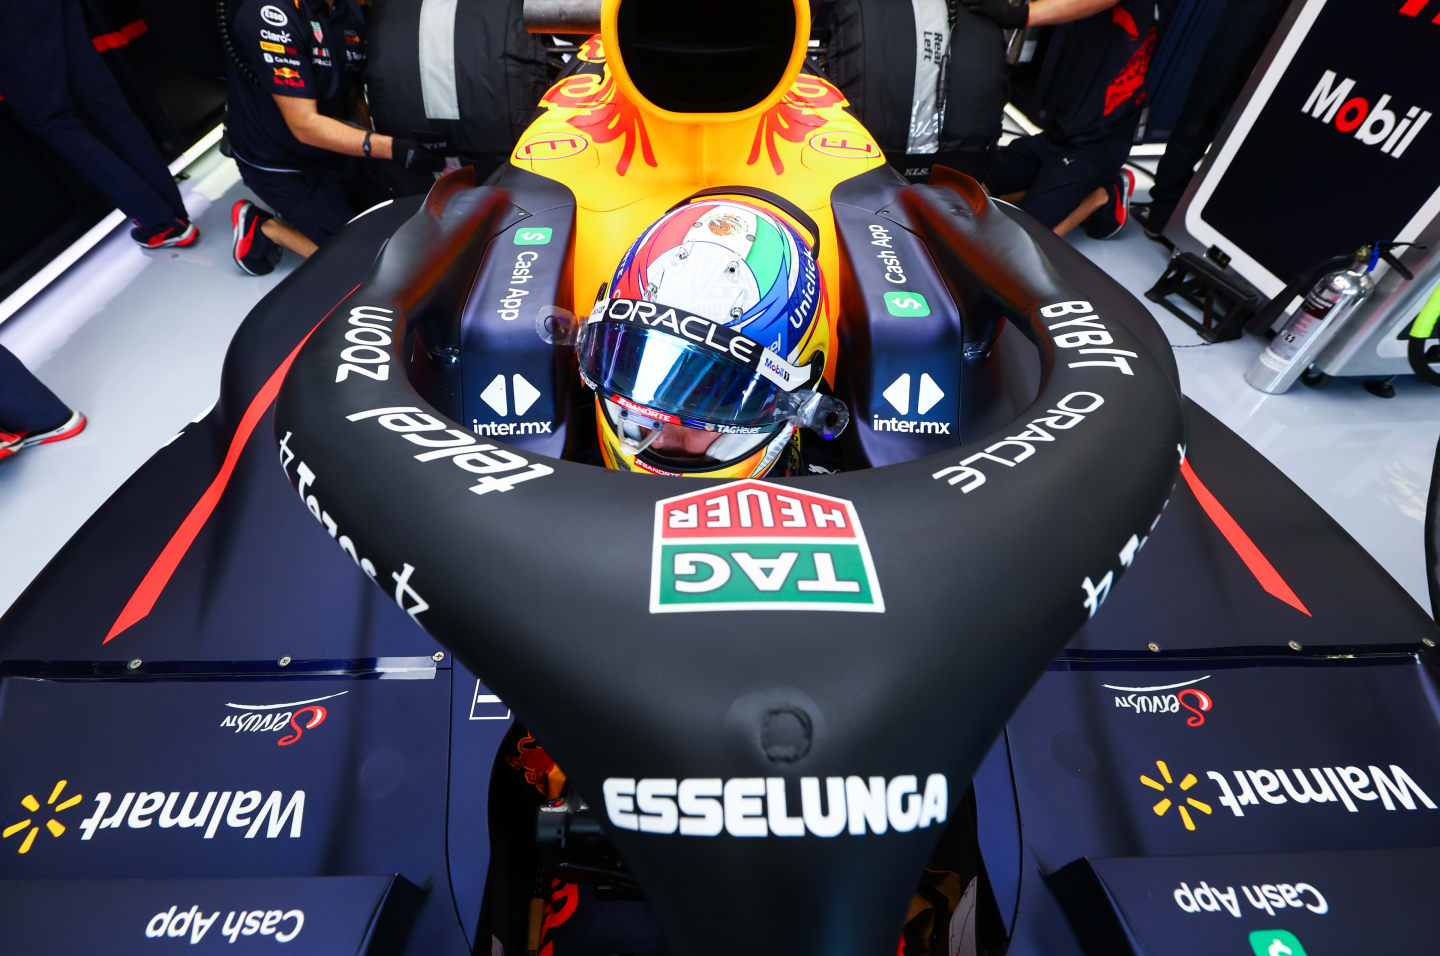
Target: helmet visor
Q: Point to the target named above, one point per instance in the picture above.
(700, 372)
(667, 374)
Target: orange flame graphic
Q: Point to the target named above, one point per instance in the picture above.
(794, 117)
(592, 51)
(603, 113)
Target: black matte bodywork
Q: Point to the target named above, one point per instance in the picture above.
(1006, 627)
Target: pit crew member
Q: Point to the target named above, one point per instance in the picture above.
(58, 88)
(30, 414)
(1073, 172)
(296, 82)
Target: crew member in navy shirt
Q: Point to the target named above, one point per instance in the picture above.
(58, 88)
(1073, 172)
(292, 101)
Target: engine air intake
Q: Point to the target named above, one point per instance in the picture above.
(704, 58)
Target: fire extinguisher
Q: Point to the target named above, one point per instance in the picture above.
(1326, 306)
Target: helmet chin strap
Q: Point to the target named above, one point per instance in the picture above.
(635, 446)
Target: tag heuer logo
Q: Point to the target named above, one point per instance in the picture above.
(751, 545)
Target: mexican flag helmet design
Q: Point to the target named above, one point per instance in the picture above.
(714, 320)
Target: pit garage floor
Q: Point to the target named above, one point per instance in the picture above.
(136, 339)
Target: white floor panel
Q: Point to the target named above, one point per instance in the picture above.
(136, 341)
(1365, 459)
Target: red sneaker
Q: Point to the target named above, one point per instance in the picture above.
(252, 249)
(1110, 218)
(176, 232)
(11, 442)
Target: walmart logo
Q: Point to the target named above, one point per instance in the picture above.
(32, 805)
(1163, 806)
(203, 812)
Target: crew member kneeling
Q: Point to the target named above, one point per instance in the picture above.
(304, 60)
(1074, 172)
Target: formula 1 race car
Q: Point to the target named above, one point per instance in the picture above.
(529, 704)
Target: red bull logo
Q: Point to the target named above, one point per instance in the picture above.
(286, 76)
(538, 767)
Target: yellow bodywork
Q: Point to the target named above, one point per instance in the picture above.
(627, 161)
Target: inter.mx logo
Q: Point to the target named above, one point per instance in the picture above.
(1374, 124)
(496, 397)
(898, 393)
(1351, 788)
(751, 545)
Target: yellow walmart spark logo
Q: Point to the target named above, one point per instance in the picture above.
(33, 806)
(1163, 807)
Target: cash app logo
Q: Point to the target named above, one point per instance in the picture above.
(1275, 942)
(906, 303)
(533, 236)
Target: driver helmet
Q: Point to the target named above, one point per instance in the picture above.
(706, 349)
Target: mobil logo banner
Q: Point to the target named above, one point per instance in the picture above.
(1227, 760)
(212, 778)
(1336, 147)
(751, 545)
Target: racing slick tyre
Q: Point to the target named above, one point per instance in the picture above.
(472, 80)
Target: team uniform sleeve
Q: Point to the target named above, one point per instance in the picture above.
(355, 52)
(270, 38)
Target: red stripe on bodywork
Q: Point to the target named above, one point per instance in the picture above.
(1259, 566)
(121, 37)
(153, 584)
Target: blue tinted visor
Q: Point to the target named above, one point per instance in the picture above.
(661, 371)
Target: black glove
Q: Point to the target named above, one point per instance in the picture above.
(1009, 14)
(408, 154)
